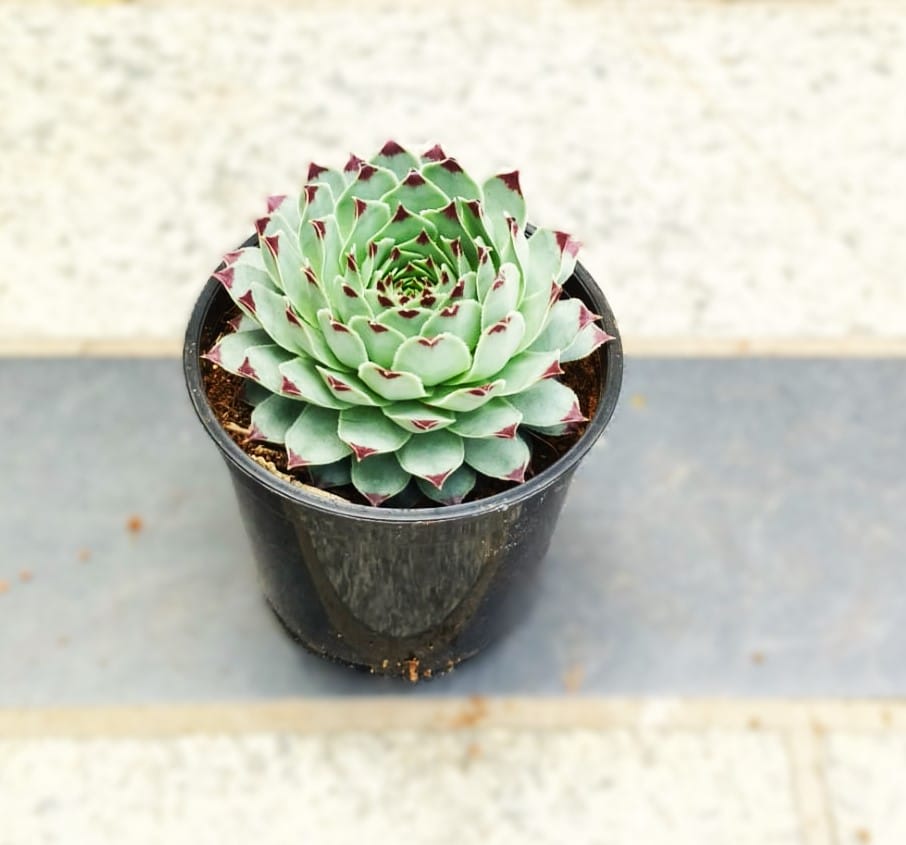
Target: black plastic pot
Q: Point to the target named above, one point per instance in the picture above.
(406, 592)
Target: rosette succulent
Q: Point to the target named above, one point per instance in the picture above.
(399, 323)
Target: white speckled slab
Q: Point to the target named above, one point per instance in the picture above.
(726, 185)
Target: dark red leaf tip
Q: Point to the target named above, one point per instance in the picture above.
(384, 301)
(376, 499)
(424, 425)
(484, 390)
(517, 475)
(289, 387)
(311, 192)
(414, 179)
(320, 228)
(556, 290)
(586, 316)
(500, 326)
(434, 154)
(429, 342)
(291, 316)
(456, 247)
(337, 384)
(246, 369)
(255, 433)
(248, 300)
(575, 414)
(458, 290)
(451, 165)
(273, 243)
(428, 300)
(294, 460)
(438, 479)
(360, 206)
(261, 225)
(213, 355)
(401, 214)
(273, 203)
(391, 148)
(310, 276)
(507, 432)
(232, 257)
(372, 249)
(315, 170)
(567, 243)
(498, 283)
(225, 277)
(387, 374)
(474, 206)
(553, 370)
(407, 314)
(377, 328)
(366, 172)
(350, 291)
(511, 180)
(350, 262)
(422, 238)
(395, 253)
(336, 325)
(354, 163)
(362, 452)
(450, 311)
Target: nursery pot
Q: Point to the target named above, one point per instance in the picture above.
(405, 592)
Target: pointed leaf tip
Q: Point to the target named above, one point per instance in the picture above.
(434, 154)
(294, 461)
(391, 148)
(567, 243)
(439, 479)
(511, 180)
(354, 163)
(375, 499)
(315, 170)
(273, 203)
(248, 300)
(517, 475)
(225, 277)
(414, 179)
(255, 433)
(232, 257)
(361, 452)
(366, 172)
(272, 242)
(451, 165)
(508, 432)
(261, 225)
(401, 214)
(246, 369)
(289, 388)
(575, 415)
(213, 355)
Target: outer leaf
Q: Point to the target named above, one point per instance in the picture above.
(231, 350)
(319, 198)
(496, 418)
(312, 438)
(272, 417)
(433, 456)
(395, 158)
(452, 179)
(369, 432)
(551, 258)
(379, 477)
(392, 385)
(566, 318)
(417, 417)
(300, 378)
(407, 321)
(416, 194)
(527, 368)
(336, 474)
(502, 199)
(453, 490)
(369, 186)
(349, 388)
(496, 346)
(280, 321)
(433, 360)
(548, 403)
(587, 341)
(499, 458)
(367, 222)
(262, 364)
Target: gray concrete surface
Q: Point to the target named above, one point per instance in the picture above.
(739, 531)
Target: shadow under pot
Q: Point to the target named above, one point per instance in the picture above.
(407, 592)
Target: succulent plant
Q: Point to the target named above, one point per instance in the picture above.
(398, 323)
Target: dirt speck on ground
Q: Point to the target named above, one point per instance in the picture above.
(4, 586)
(473, 751)
(84, 555)
(135, 524)
(638, 401)
(863, 834)
(754, 723)
(63, 641)
(475, 709)
(411, 666)
(25, 576)
(757, 657)
(574, 677)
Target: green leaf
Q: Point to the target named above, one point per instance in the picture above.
(535, 309)
(369, 432)
(262, 364)
(466, 398)
(349, 388)
(433, 360)
(381, 342)
(407, 321)
(301, 379)
(499, 458)
(502, 199)
(497, 344)
(501, 297)
(416, 194)
(452, 179)
(433, 456)
(453, 490)
(231, 350)
(343, 341)
(587, 341)
(417, 417)
(496, 418)
(527, 368)
(367, 222)
(566, 318)
(336, 474)
(396, 159)
(319, 198)
(312, 438)
(547, 403)
(369, 186)
(379, 477)
(462, 318)
(393, 385)
(405, 225)
(272, 417)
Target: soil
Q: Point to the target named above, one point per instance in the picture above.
(225, 396)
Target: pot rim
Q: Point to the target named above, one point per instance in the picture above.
(613, 371)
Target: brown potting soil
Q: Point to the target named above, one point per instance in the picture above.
(225, 396)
